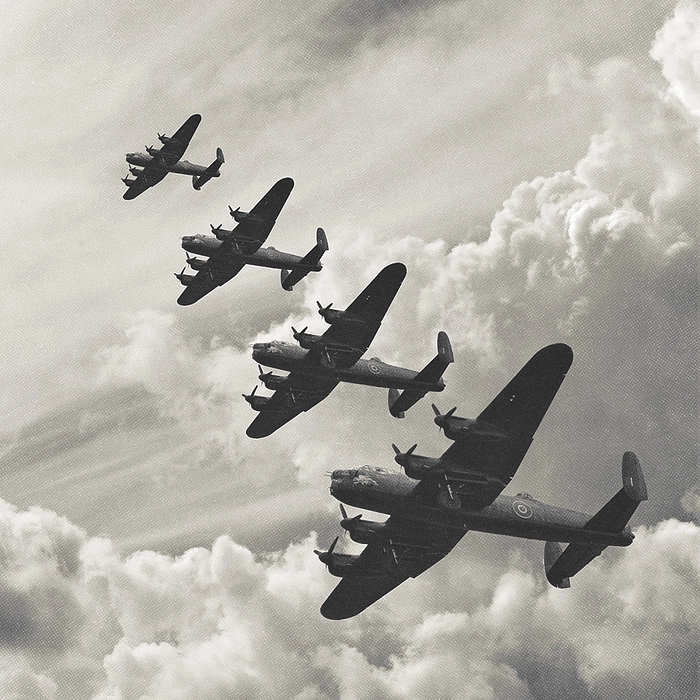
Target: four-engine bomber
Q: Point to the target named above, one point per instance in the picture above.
(436, 500)
(151, 167)
(321, 362)
(228, 251)
(439, 499)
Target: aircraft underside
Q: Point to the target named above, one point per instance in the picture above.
(519, 516)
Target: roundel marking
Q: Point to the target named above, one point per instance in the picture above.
(270, 253)
(374, 368)
(522, 510)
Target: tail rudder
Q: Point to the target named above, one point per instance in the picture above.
(615, 514)
(284, 274)
(552, 552)
(393, 398)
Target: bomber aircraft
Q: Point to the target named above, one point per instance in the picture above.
(437, 500)
(323, 361)
(229, 251)
(153, 165)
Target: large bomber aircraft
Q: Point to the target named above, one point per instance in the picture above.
(437, 500)
(151, 167)
(229, 251)
(323, 361)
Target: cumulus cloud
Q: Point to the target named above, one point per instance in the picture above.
(222, 622)
(677, 48)
(602, 255)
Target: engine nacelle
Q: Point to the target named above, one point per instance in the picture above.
(185, 279)
(416, 466)
(135, 171)
(272, 381)
(305, 340)
(197, 263)
(164, 139)
(330, 316)
(466, 429)
(152, 151)
(240, 216)
(362, 531)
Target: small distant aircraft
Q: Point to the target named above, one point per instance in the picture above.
(437, 500)
(156, 163)
(229, 251)
(323, 361)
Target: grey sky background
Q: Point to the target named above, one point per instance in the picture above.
(536, 168)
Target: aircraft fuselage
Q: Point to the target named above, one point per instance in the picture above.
(182, 167)
(389, 492)
(373, 372)
(263, 257)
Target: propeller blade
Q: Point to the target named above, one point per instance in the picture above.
(411, 450)
(450, 412)
(343, 511)
(332, 547)
(396, 449)
(436, 410)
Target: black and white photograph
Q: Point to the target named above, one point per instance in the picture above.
(350, 350)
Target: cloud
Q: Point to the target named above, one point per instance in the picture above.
(677, 48)
(221, 621)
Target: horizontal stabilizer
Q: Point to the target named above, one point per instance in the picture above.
(210, 172)
(612, 517)
(430, 374)
(309, 263)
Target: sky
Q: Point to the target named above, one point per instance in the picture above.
(536, 167)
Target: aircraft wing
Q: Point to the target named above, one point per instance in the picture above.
(479, 469)
(150, 176)
(299, 393)
(213, 275)
(177, 144)
(255, 231)
(408, 551)
(349, 337)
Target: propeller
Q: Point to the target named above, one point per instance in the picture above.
(249, 397)
(297, 334)
(232, 211)
(440, 417)
(322, 309)
(262, 373)
(346, 523)
(402, 457)
(327, 557)
(180, 274)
